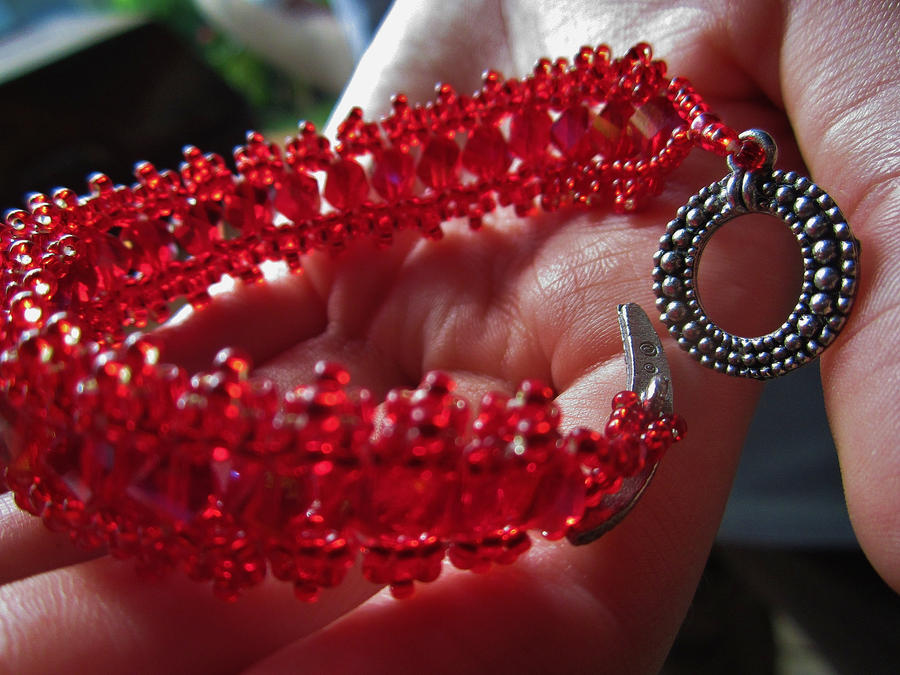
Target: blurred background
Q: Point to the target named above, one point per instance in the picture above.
(98, 84)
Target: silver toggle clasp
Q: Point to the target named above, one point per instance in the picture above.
(647, 374)
(830, 268)
(646, 368)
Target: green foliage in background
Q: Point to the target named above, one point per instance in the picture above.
(278, 102)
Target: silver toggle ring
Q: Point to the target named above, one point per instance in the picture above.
(830, 269)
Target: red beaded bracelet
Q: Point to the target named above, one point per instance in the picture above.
(217, 474)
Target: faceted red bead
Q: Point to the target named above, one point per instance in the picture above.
(654, 123)
(199, 228)
(412, 480)
(529, 133)
(496, 490)
(561, 498)
(518, 475)
(346, 186)
(486, 153)
(439, 163)
(247, 208)
(570, 132)
(297, 196)
(394, 174)
(151, 243)
(612, 132)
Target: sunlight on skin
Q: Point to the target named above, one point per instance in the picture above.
(527, 298)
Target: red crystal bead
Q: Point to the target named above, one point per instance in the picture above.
(486, 153)
(346, 186)
(612, 130)
(198, 228)
(151, 244)
(247, 208)
(570, 133)
(394, 174)
(414, 466)
(654, 123)
(297, 196)
(439, 163)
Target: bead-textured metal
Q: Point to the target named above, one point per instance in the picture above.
(830, 269)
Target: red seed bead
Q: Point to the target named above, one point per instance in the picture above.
(25, 309)
(750, 155)
(534, 392)
(625, 399)
(493, 417)
(656, 439)
(676, 425)
(713, 135)
(628, 421)
(142, 352)
(589, 446)
(628, 454)
(330, 372)
(438, 383)
(235, 363)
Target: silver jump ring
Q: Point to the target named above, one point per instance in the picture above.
(830, 269)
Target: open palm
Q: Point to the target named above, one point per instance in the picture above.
(522, 298)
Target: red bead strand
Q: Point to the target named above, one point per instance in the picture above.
(217, 474)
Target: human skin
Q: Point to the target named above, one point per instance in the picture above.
(534, 297)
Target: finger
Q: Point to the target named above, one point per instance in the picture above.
(98, 609)
(412, 51)
(28, 548)
(843, 103)
(261, 319)
(537, 616)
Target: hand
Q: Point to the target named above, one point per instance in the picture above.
(532, 298)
